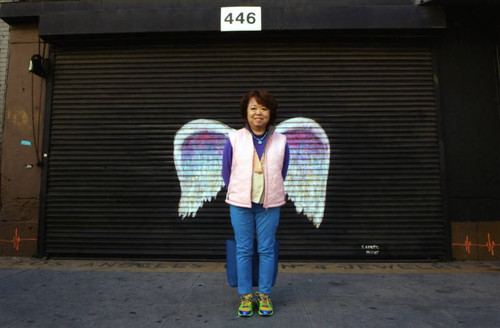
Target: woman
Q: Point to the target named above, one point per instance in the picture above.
(255, 162)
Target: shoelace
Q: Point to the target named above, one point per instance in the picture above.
(264, 300)
(246, 301)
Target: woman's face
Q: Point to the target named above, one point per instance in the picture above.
(257, 116)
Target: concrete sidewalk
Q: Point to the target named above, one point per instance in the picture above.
(55, 293)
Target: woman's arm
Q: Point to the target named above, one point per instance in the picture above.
(227, 161)
(286, 160)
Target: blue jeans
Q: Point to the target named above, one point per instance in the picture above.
(246, 222)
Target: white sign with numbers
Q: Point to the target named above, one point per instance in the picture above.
(240, 19)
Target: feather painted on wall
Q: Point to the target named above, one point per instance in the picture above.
(307, 174)
(198, 148)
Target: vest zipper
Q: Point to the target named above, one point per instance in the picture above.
(266, 180)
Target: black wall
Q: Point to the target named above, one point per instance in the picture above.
(468, 75)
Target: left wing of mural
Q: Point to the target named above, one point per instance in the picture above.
(198, 148)
(307, 176)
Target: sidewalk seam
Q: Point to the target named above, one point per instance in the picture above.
(302, 303)
(13, 273)
(174, 311)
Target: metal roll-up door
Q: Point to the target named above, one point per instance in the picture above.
(112, 189)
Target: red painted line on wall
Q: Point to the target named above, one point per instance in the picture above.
(490, 245)
(16, 240)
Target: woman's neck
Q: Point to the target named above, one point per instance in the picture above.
(258, 131)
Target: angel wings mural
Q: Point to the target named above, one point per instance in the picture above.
(198, 148)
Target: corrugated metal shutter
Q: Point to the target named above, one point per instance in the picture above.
(112, 188)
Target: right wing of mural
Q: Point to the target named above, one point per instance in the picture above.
(198, 148)
(308, 168)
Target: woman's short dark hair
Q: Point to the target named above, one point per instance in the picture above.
(263, 98)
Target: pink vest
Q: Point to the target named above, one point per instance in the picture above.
(239, 191)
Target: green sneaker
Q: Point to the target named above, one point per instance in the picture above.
(265, 304)
(246, 306)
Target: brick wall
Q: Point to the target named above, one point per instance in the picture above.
(20, 186)
(4, 56)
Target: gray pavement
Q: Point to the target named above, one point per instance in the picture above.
(33, 297)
